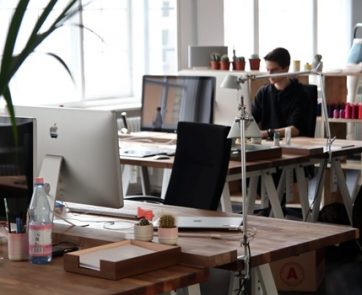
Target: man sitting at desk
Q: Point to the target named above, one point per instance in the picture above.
(281, 103)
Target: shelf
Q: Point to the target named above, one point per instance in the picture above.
(335, 120)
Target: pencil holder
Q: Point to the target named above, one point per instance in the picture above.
(18, 246)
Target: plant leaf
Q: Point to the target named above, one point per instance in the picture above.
(62, 62)
(11, 111)
(10, 41)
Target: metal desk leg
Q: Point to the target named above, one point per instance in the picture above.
(252, 192)
(126, 172)
(347, 200)
(266, 280)
(145, 181)
(272, 193)
(303, 191)
(225, 200)
(165, 180)
(318, 191)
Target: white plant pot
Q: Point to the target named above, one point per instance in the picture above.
(168, 236)
(143, 232)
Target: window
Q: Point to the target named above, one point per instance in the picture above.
(107, 63)
(304, 27)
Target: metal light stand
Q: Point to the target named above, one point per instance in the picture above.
(244, 116)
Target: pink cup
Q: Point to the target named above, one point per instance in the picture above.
(18, 246)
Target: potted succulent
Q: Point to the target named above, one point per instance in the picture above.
(143, 230)
(215, 61)
(167, 230)
(239, 63)
(224, 62)
(254, 62)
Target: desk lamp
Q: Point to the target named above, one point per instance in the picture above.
(243, 128)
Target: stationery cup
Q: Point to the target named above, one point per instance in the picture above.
(18, 246)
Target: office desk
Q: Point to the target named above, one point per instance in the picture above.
(340, 149)
(24, 278)
(254, 169)
(274, 239)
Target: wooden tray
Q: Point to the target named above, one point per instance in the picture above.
(121, 259)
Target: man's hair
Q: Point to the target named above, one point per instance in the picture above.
(279, 55)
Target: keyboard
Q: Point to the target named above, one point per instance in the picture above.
(103, 211)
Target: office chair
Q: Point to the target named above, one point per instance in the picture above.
(200, 167)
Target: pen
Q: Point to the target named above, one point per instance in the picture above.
(19, 225)
(7, 214)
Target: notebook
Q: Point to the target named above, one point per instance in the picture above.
(203, 222)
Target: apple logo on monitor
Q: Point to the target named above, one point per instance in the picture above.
(53, 130)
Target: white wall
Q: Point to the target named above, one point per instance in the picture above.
(200, 22)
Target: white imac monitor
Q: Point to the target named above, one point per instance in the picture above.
(87, 143)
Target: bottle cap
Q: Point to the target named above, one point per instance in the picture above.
(39, 180)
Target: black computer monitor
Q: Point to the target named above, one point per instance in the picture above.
(16, 166)
(166, 100)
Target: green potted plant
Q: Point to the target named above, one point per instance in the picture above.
(11, 62)
(143, 230)
(167, 229)
(254, 62)
(224, 62)
(215, 61)
(239, 63)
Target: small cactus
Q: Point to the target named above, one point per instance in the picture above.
(167, 221)
(143, 221)
(225, 57)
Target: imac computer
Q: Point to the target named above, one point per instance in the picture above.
(166, 100)
(77, 153)
(16, 167)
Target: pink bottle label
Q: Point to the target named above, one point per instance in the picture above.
(40, 239)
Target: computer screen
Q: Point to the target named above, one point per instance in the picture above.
(166, 100)
(87, 141)
(16, 166)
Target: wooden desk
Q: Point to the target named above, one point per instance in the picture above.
(274, 239)
(340, 149)
(25, 278)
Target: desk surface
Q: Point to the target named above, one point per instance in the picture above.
(26, 278)
(274, 238)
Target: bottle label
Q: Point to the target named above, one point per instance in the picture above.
(40, 239)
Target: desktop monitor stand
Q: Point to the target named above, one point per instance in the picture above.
(50, 171)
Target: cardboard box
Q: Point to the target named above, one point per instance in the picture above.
(303, 273)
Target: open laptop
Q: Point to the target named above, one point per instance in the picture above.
(142, 152)
(207, 222)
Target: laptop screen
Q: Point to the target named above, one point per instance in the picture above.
(166, 100)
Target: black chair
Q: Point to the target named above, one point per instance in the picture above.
(312, 105)
(200, 167)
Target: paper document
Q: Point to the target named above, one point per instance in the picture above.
(92, 260)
